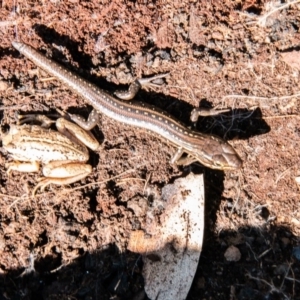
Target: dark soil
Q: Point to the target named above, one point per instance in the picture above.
(70, 242)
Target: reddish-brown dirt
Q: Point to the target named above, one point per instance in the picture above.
(70, 242)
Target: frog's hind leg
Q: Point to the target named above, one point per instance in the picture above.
(25, 167)
(63, 175)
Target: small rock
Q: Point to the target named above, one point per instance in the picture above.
(232, 254)
(3, 85)
(139, 207)
(285, 241)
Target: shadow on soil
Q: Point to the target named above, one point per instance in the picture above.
(267, 270)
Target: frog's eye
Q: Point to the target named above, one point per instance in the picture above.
(9, 130)
(4, 129)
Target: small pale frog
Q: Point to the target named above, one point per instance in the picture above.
(63, 153)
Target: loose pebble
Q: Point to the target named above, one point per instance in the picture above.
(232, 254)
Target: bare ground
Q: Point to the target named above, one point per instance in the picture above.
(70, 242)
